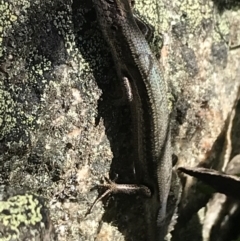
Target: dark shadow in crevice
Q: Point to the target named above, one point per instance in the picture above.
(125, 211)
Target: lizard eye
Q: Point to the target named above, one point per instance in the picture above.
(132, 3)
(114, 27)
(110, 1)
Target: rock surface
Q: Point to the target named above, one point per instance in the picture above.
(60, 133)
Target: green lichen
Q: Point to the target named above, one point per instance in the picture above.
(6, 20)
(7, 120)
(222, 28)
(194, 11)
(28, 51)
(23, 215)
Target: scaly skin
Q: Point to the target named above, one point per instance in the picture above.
(137, 66)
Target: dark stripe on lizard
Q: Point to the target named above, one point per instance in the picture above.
(136, 64)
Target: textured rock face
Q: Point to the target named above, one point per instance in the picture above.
(60, 133)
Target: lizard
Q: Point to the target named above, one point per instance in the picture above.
(138, 69)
